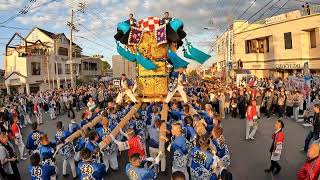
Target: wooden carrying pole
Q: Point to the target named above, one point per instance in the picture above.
(78, 133)
(107, 140)
(163, 127)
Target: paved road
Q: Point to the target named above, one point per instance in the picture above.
(248, 158)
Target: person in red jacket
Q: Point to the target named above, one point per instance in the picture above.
(311, 168)
(276, 148)
(251, 121)
(15, 128)
(133, 144)
(251, 82)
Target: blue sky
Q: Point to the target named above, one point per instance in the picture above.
(98, 22)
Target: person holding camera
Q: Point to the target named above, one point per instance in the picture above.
(8, 159)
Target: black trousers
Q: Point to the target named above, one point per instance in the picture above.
(16, 174)
(281, 110)
(242, 111)
(289, 111)
(275, 165)
(268, 112)
(234, 112)
(101, 105)
(312, 135)
(72, 112)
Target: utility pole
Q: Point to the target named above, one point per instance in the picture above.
(229, 54)
(72, 28)
(48, 69)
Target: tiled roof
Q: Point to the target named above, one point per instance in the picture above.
(54, 36)
(14, 72)
(50, 34)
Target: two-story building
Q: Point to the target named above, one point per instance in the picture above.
(90, 67)
(40, 62)
(276, 46)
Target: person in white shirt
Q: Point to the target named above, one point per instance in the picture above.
(91, 104)
(52, 106)
(125, 89)
(37, 113)
(178, 81)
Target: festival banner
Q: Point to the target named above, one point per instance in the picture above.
(316, 81)
(300, 84)
(296, 83)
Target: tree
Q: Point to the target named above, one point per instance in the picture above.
(105, 67)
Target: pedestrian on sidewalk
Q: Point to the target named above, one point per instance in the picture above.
(251, 121)
(276, 148)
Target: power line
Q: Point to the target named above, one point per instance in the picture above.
(94, 42)
(13, 27)
(263, 24)
(267, 10)
(26, 9)
(214, 12)
(94, 14)
(235, 9)
(305, 1)
(269, 2)
(99, 15)
(261, 15)
(244, 12)
(95, 34)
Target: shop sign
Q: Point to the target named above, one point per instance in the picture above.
(288, 66)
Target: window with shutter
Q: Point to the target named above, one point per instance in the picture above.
(288, 40)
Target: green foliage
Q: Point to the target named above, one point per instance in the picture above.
(79, 81)
(105, 66)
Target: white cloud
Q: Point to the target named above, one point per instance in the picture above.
(204, 12)
(33, 20)
(187, 2)
(6, 5)
(146, 4)
(101, 16)
(104, 2)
